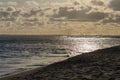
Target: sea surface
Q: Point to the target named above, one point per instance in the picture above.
(20, 53)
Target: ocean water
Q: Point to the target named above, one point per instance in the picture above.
(19, 53)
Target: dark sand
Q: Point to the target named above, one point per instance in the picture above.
(98, 65)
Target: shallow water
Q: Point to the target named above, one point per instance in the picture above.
(19, 54)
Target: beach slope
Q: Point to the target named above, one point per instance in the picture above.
(98, 65)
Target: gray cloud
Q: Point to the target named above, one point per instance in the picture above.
(76, 3)
(18, 16)
(81, 15)
(115, 5)
(96, 10)
(11, 9)
(12, 3)
(8, 14)
(31, 4)
(97, 2)
(1, 3)
(36, 15)
(111, 19)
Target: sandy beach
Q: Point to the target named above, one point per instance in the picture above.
(102, 64)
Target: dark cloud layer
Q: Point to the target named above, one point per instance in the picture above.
(97, 2)
(81, 15)
(97, 10)
(93, 12)
(114, 19)
(25, 18)
(115, 5)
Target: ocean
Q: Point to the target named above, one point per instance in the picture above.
(20, 53)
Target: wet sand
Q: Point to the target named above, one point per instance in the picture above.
(98, 65)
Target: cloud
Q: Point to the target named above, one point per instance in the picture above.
(90, 10)
(76, 3)
(1, 3)
(97, 2)
(31, 13)
(81, 15)
(112, 18)
(11, 9)
(12, 3)
(7, 14)
(115, 5)
(31, 4)
(18, 16)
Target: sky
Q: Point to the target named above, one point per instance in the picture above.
(60, 17)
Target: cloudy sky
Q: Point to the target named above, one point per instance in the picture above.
(75, 17)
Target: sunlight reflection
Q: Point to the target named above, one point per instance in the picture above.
(88, 47)
(84, 46)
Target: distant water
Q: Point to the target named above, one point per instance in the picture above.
(19, 53)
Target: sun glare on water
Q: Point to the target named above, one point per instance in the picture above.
(88, 47)
(84, 46)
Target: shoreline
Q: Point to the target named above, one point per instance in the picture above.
(56, 57)
(86, 61)
(26, 71)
